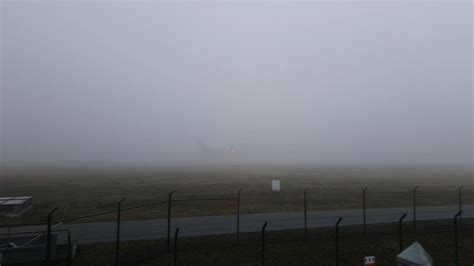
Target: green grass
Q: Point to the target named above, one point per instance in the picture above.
(289, 247)
(80, 192)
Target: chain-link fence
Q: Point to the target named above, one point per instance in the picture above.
(307, 231)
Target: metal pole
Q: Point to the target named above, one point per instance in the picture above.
(263, 242)
(400, 232)
(460, 203)
(5, 254)
(238, 217)
(414, 208)
(5, 257)
(176, 246)
(364, 211)
(456, 258)
(117, 241)
(169, 220)
(337, 240)
(69, 248)
(48, 236)
(305, 217)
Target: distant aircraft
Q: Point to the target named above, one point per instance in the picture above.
(204, 148)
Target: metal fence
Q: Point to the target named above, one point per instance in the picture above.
(172, 202)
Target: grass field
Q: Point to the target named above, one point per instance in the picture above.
(79, 192)
(289, 247)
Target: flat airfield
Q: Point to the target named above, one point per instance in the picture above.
(80, 192)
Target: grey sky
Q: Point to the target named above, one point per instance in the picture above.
(236, 82)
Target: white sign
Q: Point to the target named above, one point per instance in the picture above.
(369, 260)
(276, 185)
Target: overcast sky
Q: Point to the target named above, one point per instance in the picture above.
(159, 83)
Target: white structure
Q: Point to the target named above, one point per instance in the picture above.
(276, 185)
(14, 206)
(414, 255)
(369, 261)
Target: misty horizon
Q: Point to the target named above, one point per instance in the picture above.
(236, 83)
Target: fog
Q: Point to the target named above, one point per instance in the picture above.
(238, 82)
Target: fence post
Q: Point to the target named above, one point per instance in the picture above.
(400, 232)
(364, 211)
(48, 236)
(456, 259)
(238, 217)
(117, 237)
(169, 220)
(305, 217)
(5, 257)
(337, 240)
(176, 246)
(460, 204)
(414, 207)
(5, 254)
(69, 248)
(263, 242)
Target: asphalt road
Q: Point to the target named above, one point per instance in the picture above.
(101, 232)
